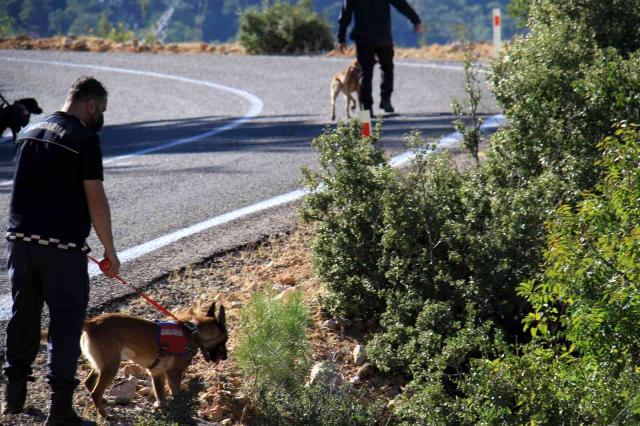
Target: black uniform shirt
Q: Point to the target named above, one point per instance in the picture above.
(372, 20)
(48, 201)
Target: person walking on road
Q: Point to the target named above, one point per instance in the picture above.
(372, 35)
(57, 195)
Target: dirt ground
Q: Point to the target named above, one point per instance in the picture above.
(451, 52)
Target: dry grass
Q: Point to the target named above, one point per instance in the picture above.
(450, 52)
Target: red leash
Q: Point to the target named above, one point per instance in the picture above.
(104, 264)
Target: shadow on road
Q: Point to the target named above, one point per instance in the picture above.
(265, 134)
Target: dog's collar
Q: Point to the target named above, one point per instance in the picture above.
(192, 328)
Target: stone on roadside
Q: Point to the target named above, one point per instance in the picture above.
(287, 279)
(365, 371)
(134, 370)
(326, 371)
(279, 288)
(80, 46)
(330, 324)
(359, 355)
(124, 391)
(285, 294)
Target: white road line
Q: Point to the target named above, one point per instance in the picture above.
(255, 108)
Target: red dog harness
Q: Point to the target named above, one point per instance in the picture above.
(173, 339)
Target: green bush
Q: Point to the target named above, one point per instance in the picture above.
(120, 34)
(536, 385)
(273, 349)
(581, 367)
(319, 404)
(589, 297)
(565, 84)
(347, 246)
(440, 255)
(284, 28)
(273, 354)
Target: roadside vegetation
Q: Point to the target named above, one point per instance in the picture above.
(507, 293)
(284, 28)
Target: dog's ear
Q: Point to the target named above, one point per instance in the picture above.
(221, 316)
(212, 310)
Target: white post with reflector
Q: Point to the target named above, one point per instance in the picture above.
(365, 119)
(497, 31)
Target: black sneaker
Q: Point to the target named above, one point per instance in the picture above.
(387, 107)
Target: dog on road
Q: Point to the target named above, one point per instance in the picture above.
(17, 115)
(346, 81)
(164, 349)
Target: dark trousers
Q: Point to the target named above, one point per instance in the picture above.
(40, 274)
(367, 59)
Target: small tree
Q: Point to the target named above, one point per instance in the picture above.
(103, 27)
(273, 346)
(469, 110)
(284, 28)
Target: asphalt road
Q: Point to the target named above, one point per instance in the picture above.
(220, 133)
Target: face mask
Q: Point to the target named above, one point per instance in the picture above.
(97, 125)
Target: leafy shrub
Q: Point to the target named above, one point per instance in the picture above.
(536, 385)
(440, 254)
(471, 137)
(564, 85)
(119, 33)
(317, 405)
(347, 246)
(590, 293)
(284, 28)
(581, 367)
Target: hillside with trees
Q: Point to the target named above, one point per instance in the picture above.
(218, 20)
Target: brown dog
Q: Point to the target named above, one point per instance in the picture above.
(347, 82)
(164, 351)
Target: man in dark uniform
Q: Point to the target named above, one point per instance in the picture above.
(57, 195)
(372, 35)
